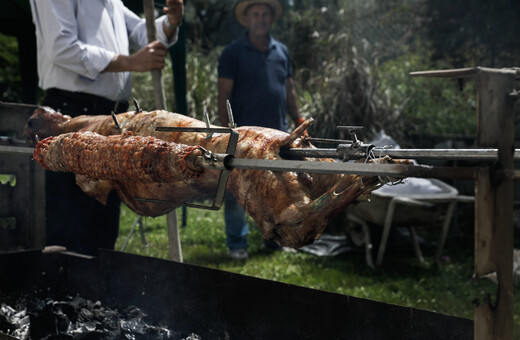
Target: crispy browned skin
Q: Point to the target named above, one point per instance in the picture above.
(290, 208)
(119, 157)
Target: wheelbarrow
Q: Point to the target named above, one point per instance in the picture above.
(417, 201)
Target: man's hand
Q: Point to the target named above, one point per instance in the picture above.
(148, 58)
(175, 11)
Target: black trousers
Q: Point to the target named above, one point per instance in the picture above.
(73, 219)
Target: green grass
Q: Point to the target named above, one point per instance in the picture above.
(447, 288)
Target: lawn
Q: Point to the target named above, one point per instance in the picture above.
(447, 288)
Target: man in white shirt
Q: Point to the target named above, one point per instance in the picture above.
(84, 67)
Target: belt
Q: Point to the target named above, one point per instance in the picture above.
(96, 103)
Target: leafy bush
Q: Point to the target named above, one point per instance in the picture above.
(202, 84)
(10, 79)
(201, 74)
(340, 81)
(143, 91)
(477, 32)
(337, 78)
(425, 106)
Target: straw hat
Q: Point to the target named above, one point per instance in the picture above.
(241, 6)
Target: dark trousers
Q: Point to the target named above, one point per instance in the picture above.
(73, 219)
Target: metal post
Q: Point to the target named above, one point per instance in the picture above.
(494, 204)
(173, 237)
(180, 104)
(160, 103)
(493, 195)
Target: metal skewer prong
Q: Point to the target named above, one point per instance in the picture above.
(115, 120)
(231, 124)
(209, 135)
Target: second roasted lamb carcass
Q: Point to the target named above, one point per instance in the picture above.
(290, 208)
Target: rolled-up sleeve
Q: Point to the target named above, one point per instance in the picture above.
(137, 34)
(161, 36)
(56, 21)
(94, 59)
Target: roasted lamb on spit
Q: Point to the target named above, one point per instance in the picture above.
(120, 157)
(290, 208)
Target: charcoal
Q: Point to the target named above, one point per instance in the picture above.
(78, 318)
(59, 337)
(42, 321)
(5, 325)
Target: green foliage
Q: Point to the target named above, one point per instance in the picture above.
(421, 106)
(10, 80)
(143, 91)
(343, 92)
(337, 77)
(313, 36)
(201, 74)
(210, 23)
(202, 84)
(340, 82)
(478, 32)
(8, 179)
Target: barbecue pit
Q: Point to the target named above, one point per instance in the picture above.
(215, 304)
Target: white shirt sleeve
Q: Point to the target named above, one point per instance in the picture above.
(161, 36)
(56, 20)
(137, 34)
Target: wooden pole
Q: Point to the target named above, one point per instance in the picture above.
(174, 240)
(494, 205)
(160, 103)
(149, 14)
(494, 195)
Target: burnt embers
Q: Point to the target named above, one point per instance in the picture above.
(79, 318)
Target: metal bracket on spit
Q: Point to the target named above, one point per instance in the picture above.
(210, 160)
(345, 149)
(351, 130)
(356, 149)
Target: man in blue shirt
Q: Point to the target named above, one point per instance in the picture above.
(255, 75)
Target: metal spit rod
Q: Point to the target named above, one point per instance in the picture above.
(222, 161)
(448, 154)
(16, 149)
(444, 154)
(225, 161)
(358, 153)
